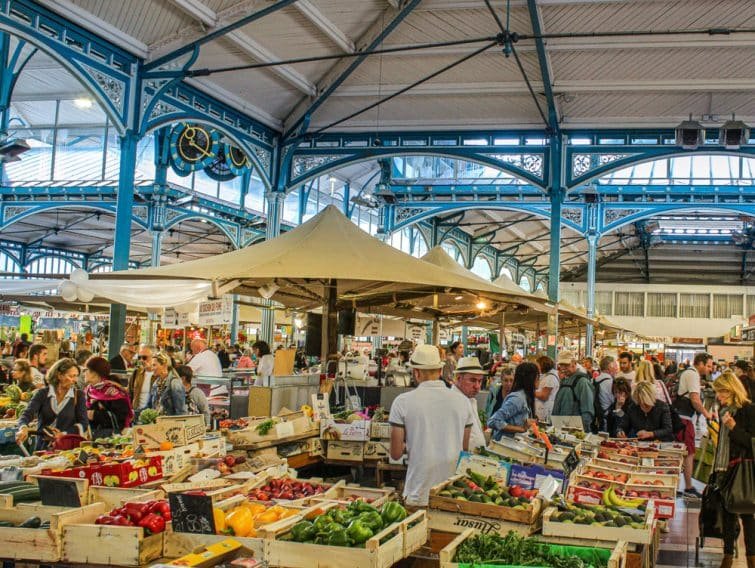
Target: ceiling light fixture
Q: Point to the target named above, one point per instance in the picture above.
(690, 134)
(733, 134)
(457, 298)
(481, 305)
(83, 103)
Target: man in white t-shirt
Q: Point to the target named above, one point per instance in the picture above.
(548, 384)
(204, 362)
(145, 384)
(432, 423)
(468, 377)
(688, 401)
(625, 368)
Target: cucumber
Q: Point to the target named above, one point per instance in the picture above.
(31, 523)
(24, 495)
(6, 524)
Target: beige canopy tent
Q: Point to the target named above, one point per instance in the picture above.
(326, 261)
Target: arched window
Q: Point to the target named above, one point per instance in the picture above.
(8, 264)
(481, 267)
(525, 284)
(507, 273)
(453, 251)
(420, 246)
(50, 265)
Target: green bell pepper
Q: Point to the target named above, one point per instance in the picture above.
(338, 538)
(341, 516)
(393, 512)
(361, 507)
(372, 519)
(359, 532)
(303, 531)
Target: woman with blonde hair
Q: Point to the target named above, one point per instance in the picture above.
(735, 442)
(646, 418)
(22, 375)
(167, 394)
(646, 374)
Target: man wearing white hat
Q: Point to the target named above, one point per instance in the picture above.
(432, 423)
(468, 377)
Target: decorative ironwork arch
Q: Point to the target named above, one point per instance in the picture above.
(12, 212)
(608, 162)
(230, 230)
(107, 72)
(309, 165)
(614, 217)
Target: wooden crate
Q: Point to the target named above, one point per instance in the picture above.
(110, 545)
(345, 493)
(617, 559)
(446, 521)
(114, 497)
(416, 531)
(489, 510)
(181, 544)
(41, 545)
(287, 554)
(599, 532)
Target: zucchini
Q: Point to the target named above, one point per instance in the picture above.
(6, 524)
(25, 495)
(31, 523)
(5, 486)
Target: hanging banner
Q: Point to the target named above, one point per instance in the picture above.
(179, 320)
(216, 312)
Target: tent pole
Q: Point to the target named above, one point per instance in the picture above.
(436, 332)
(502, 331)
(329, 321)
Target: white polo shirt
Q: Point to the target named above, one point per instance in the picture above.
(206, 364)
(476, 436)
(434, 418)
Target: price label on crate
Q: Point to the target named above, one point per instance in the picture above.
(59, 492)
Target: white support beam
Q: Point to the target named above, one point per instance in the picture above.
(198, 10)
(96, 25)
(520, 87)
(314, 15)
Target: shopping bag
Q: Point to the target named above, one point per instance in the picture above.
(711, 519)
(740, 488)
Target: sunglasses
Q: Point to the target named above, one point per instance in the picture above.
(144, 357)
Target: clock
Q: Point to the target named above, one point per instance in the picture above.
(219, 169)
(236, 159)
(192, 147)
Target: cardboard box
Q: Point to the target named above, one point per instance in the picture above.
(380, 430)
(345, 451)
(315, 447)
(532, 476)
(179, 430)
(358, 431)
(377, 450)
(116, 474)
(176, 459)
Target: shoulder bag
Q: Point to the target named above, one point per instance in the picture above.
(739, 490)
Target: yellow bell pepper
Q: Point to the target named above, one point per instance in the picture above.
(219, 516)
(240, 521)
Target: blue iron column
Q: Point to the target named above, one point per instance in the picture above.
(122, 243)
(235, 320)
(554, 267)
(274, 210)
(157, 225)
(592, 250)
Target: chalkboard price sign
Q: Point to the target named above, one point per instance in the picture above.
(58, 492)
(191, 513)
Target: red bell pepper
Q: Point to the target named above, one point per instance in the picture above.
(153, 523)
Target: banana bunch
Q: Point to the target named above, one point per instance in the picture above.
(610, 499)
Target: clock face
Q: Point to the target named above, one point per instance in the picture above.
(193, 147)
(219, 169)
(236, 159)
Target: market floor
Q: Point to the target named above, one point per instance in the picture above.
(678, 545)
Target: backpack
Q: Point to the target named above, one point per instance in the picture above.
(572, 388)
(191, 406)
(681, 402)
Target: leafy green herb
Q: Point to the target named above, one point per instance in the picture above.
(264, 427)
(516, 550)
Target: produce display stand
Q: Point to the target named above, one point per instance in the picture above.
(599, 532)
(617, 558)
(383, 550)
(345, 493)
(41, 545)
(110, 545)
(114, 497)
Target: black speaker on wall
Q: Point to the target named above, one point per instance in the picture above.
(347, 322)
(313, 340)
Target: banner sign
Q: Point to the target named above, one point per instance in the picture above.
(216, 312)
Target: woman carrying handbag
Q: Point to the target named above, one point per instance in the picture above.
(734, 465)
